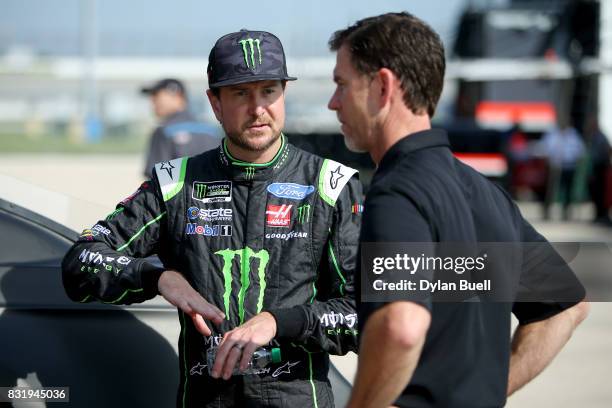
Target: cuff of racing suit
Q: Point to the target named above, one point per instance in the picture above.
(149, 276)
(290, 323)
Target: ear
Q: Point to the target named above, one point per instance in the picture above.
(215, 103)
(388, 84)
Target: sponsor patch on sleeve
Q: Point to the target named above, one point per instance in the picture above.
(96, 230)
(171, 176)
(332, 179)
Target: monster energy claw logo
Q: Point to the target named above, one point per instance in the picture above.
(250, 51)
(249, 172)
(303, 213)
(245, 256)
(199, 191)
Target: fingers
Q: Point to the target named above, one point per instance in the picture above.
(204, 310)
(223, 352)
(200, 325)
(207, 310)
(235, 348)
(247, 354)
(232, 361)
(256, 332)
(175, 289)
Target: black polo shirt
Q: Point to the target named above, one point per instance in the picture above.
(421, 193)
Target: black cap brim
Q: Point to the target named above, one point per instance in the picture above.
(148, 91)
(250, 78)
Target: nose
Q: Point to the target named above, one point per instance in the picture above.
(257, 105)
(333, 103)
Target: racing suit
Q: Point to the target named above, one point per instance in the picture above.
(279, 237)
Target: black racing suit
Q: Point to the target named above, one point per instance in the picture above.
(279, 237)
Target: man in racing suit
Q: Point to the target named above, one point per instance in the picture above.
(258, 241)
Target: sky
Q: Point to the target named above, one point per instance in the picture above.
(190, 27)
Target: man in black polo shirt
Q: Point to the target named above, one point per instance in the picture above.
(389, 75)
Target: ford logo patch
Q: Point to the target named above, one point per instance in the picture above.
(290, 190)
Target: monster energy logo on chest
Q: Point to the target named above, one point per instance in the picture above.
(245, 256)
(199, 190)
(248, 49)
(304, 213)
(212, 191)
(249, 173)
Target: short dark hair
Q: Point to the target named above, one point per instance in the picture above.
(404, 44)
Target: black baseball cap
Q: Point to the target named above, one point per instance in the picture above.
(246, 56)
(168, 84)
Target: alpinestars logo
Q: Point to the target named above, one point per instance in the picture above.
(198, 369)
(248, 49)
(278, 215)
(168, 166)
(334, 177)
(284, 369)
(245, 257)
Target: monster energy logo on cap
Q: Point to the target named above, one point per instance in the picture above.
(248, 49)
(245, 256)
(237, 58)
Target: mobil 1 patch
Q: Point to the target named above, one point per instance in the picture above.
(212, 191)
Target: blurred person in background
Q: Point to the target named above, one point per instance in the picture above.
(517, 152)
(599, 177)
(179, 134)
(562, 145)
(416, 351)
